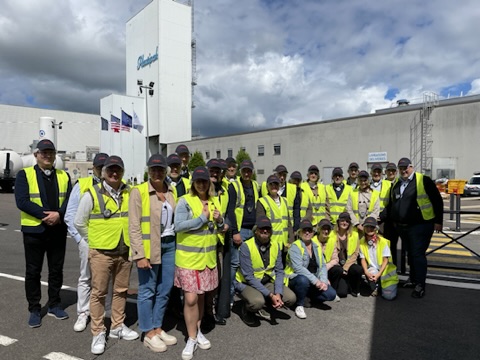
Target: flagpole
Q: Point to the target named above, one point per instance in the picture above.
(110, 135)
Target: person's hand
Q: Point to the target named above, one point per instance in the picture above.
(323, 286)
(438, 227)
(217, 216)
(144, 264)
(52, 218)
(237, 239)
(277, 301)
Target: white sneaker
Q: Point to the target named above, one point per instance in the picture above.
(123, 332)
(189, 349)
(337, 298)
(167, 339)
(300, 312)
(203, 342)
(98, 344)
(81, 323)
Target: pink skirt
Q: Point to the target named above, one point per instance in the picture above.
(196, 281)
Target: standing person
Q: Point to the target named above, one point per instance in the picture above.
(299, 212)
(184, 153)
(317, 195)
(307, 271)
(180, 184)
(152, 239)
(347, 275)
(352, 175)
(260, 277)
(337, 193)
(416, 209)
(198, 220)
(391, 172)
(84, 287)
(241, 211)
(275, 207)
(102, 220)
(363, 202)
(376, 262)
(381, 185)
(231, 172)
(41, 194)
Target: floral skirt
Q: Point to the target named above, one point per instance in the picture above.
(196, 281)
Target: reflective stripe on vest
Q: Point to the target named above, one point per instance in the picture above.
(329, 246)
(34, 191)
(197, 249)
(337, 206)
(259, 270)
(84, 184)
(318, 202)
(389, 276)
(291, 191)
(145, 224)
(385, 193)
(278, 217)
(105, 233)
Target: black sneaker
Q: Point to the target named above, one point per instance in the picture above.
(35, 319)
(419, 292)
(409, 284)
(247, 317)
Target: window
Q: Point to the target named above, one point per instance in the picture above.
(207, 155)
(261, 150)
(219, 154)
(230, 153)
(260, 171)
(277, 149)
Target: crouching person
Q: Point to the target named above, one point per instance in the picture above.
(377, 265)
(260, 277)
(307, 270)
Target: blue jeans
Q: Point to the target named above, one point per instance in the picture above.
(417, 238)
(245, 234)
(154, 289)
(302, 287)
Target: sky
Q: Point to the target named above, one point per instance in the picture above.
(260, 63)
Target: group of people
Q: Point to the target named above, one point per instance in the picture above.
(196, 234)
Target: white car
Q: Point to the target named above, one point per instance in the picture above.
(472, 187)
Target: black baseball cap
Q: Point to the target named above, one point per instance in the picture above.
(182, 149)
(45, 144)
(200, 173)
(281, 168)
(337, 171)
(344, 216)
(246, 164)
(157, 160)
(391, 166)
(230, 160)
(306, 224)
(263, 222)
(273, 179)
(363, 173)
(324, 222)
(296, 175)
(223, 164)
(173, 159)
(313, 168)
(370, 221)
(114, 160)
(353, 165)
(214, 163)
(99, 159)
(377, 166)
(404, 162)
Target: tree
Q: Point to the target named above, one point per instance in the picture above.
(196, 160)
(243, 155)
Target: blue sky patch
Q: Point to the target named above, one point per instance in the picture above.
(391, 93)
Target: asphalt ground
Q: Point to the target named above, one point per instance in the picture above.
(445, 324)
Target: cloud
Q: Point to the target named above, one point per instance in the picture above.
(260, 63)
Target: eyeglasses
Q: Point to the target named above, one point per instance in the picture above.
(264, 230)
(308, 231)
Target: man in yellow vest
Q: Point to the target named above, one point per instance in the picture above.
(381, 185)
(352, 175)
(299, 211)
(84, 281)
(377, 265)
(416, 209)
(260, 277)
(41, 193)
(337, 194)
(231, 171)
(363, 202)
(319, 206)
(102, 219)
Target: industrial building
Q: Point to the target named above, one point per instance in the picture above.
(440, 137)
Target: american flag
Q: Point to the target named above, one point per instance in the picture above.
(114, 123)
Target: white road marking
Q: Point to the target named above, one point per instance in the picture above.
(5, 340)
(60, 356)
(19, 278)
(3, 229)
(17, 230)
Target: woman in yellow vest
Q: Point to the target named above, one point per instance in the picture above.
(377, 265)
(306, 270)
(198, 219)
(346, 276)
(152, 239)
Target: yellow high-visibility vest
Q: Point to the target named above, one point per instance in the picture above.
(259, 269)
(278, 217)
(337, 206)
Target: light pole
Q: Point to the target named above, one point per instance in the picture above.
(149, 87)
